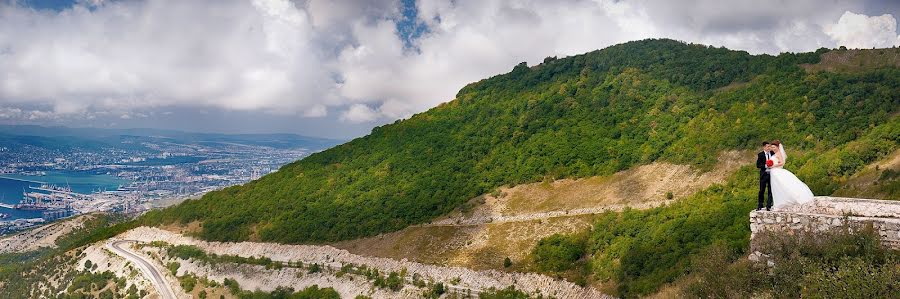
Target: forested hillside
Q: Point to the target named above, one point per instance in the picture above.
(590, 114)
(635, 252)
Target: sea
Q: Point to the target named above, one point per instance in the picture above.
(13, 185)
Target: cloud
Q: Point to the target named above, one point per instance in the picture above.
(359, 113)
(10, 113)
(307, 58)
(862, 31)
(468, 41)
(126, 55)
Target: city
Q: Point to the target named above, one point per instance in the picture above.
(131, 175)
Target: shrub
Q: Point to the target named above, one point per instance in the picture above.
(173, 267)
(507, 293)
(314, 268)
(833, 264)
(188, 282)
(558, 252)
(394, 281)
(718, 275)
(436, 290)
(311, 292)
(187, 252)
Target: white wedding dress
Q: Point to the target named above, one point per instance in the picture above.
(787, 189)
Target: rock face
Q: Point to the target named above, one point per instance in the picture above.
(330, 257)
(827, 213)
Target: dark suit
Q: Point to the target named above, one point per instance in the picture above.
(764, 181)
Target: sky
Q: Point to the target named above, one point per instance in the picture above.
(337, 68)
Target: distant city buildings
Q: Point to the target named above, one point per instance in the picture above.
(155, 171)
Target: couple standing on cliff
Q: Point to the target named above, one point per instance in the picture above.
(784, 187)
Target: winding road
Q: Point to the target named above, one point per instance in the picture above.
(164, 289)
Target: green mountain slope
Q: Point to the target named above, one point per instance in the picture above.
(585, 115)
(635, 252)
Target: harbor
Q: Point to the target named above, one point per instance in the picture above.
(44, 186)
(40, 201)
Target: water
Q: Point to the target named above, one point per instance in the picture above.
(11, 186)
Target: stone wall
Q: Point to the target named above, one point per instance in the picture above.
(827, 213)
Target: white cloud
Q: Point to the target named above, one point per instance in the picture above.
(359, 113)
(862, 31)
(316, 111)
(127, 55)
(468, 41)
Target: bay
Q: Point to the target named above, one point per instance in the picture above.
(12, 186)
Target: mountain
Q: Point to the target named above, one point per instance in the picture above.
(585, 115)
(59, 137)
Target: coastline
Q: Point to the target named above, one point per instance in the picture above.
(21, 180)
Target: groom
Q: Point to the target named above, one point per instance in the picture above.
(764, 179)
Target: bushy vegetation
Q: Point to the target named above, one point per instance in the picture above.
(100, 227)
(186, 252)
(836, 264)
(558, 252)
(585, 115)
(21, 272)
(507, 293)
(311, 292)
(394, 281)
(104, 285)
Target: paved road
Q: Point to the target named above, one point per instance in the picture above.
(163, 288)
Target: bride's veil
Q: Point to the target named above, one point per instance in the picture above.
(783, 153)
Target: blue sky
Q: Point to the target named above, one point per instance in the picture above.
(49, 4)
(336, 68)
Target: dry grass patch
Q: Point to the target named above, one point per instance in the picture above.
(432, 245)
(476, 247)
(850, 61)
(190, 229)
(639, 187)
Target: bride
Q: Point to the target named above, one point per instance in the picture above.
(787, 189)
